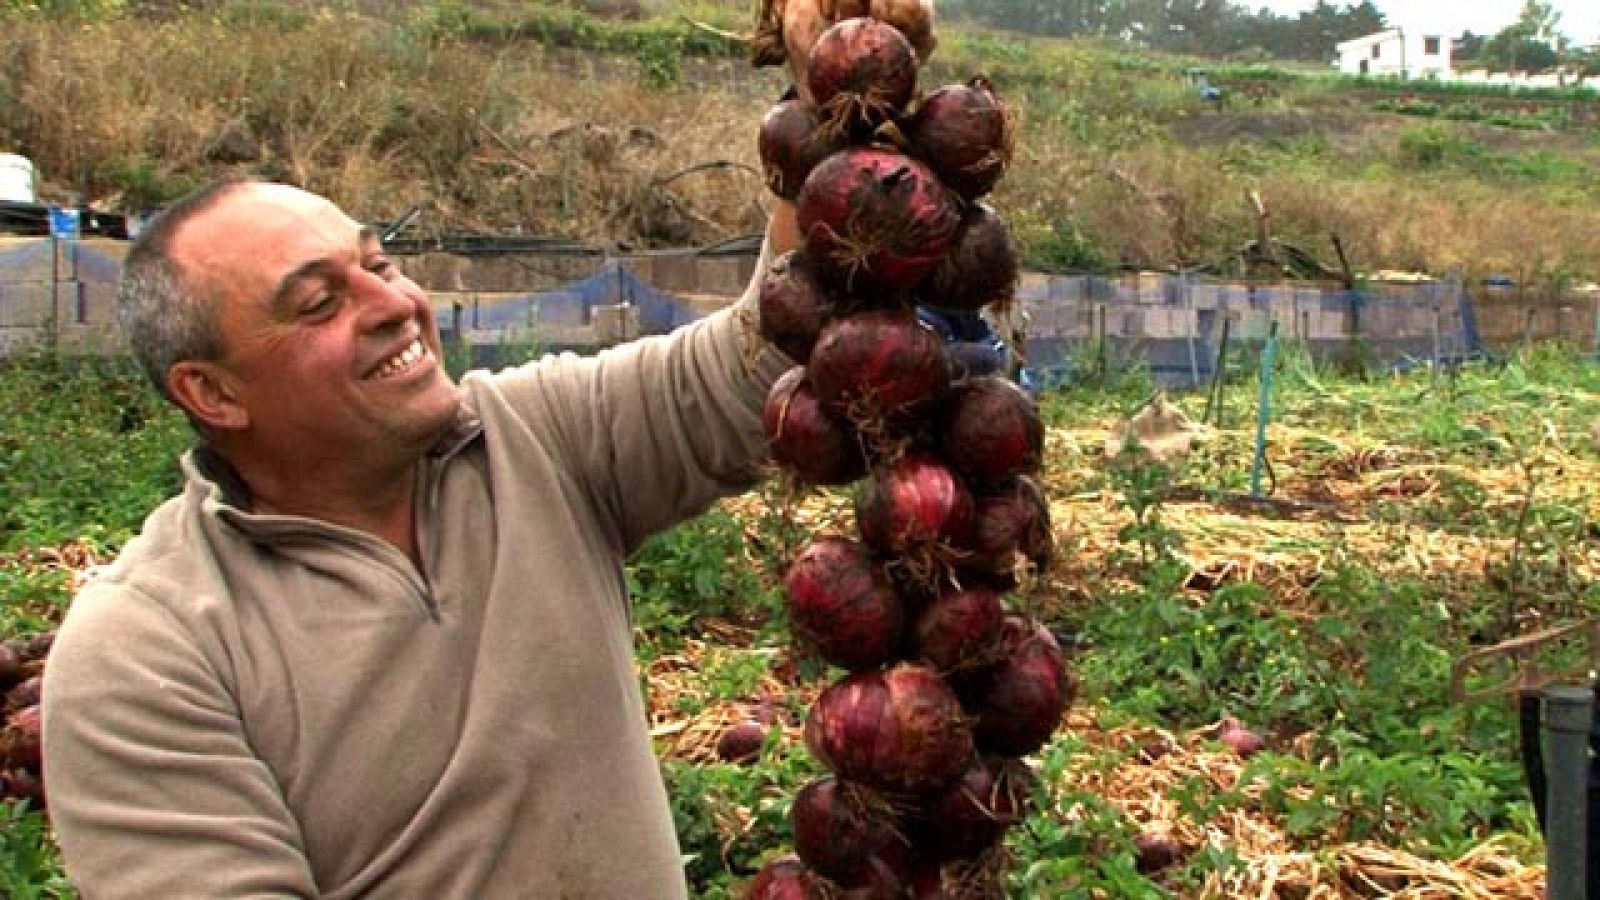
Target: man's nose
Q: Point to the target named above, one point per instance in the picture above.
(383, 302)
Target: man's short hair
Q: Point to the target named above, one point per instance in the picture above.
(164, 316)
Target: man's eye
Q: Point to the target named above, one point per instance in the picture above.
(382, 266)
(321, 305)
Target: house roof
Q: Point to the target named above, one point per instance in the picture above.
(1376, 37)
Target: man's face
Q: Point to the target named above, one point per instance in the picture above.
(331, 351)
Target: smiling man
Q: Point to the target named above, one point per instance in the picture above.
(379, 645)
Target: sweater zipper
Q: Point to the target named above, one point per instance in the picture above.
(430, 500)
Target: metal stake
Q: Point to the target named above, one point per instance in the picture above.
(1567, 712)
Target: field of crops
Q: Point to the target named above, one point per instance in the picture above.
(1402, 521)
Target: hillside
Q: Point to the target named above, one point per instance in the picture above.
(626, 127)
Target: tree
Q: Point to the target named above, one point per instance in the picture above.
(1531, 44)
(1469, 46)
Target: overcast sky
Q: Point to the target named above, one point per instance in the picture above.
(1580, 19)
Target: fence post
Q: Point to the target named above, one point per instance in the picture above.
(1214, 398)
(1101, 364)
(51, 325)
(1597, 328)
(1567, 712)
(1191, 325)
(1269, 355)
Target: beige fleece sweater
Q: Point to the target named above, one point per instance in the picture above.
(266, 706)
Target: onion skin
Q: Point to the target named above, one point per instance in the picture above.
(959, 629)
(914, 507)
(842, 605)
(876, 218)
(805, 438)
(880, 364)
(861, 72)
(1011, 522)
(1019, 702)
(991, 431)
(965, 134)
(980, 268)
(900, 730)
(794, 306)
(791, 143)
(841, 832)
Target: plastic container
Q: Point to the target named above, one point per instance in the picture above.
(65, 223)
(16, 179)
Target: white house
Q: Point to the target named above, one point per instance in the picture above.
(1402, 52)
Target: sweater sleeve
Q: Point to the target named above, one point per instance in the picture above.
(152, 785)
(658, 428)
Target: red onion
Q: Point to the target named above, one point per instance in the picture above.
(818, 447)
(959, 629)
(991, 430)
(791, 143)
(915, 508)
(1013, 521)
(794, 306)
(1009, 527)
(873, 217)
(741, 742)
(20, 739)
(22, 784)
(861, 73)
(10, 665)
(879, 364)
(1154, 850)
(971, 814)
(1019, 702)
(842, 829)
(979, 269)
(784, 878)
(900, 730)
(966, 134)
(27, 693)
(842, 605)
(1240, 740)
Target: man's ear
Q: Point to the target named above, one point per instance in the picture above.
(208, 392)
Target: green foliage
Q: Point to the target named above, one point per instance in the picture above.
(1440, 803)
(1185, 663)
(146, 184)
(110, 458)
(29, 866)
(660, 54)
(689, 574)
(75, 9)
(1143, 483)
(1066, 248)
(731, 818)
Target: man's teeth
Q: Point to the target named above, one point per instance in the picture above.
(405, 360)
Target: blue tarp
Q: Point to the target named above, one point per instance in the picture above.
(571, 304)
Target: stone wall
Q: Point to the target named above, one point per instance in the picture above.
(68, 294)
